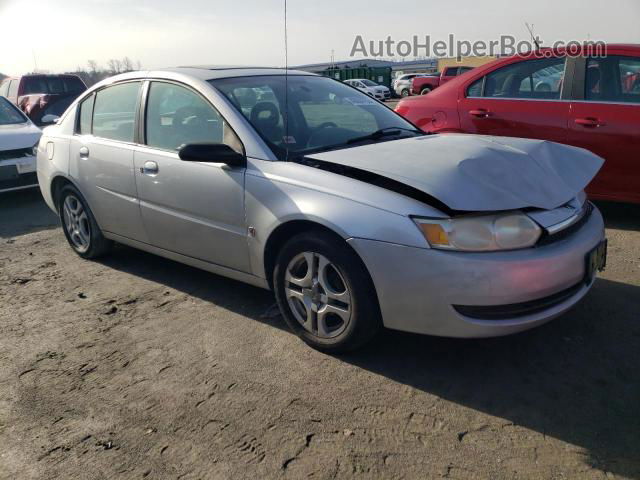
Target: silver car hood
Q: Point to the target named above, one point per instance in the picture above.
(17, 136)
(478, 173)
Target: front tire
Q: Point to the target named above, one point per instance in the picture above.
(425, 91)
(325, 293)
(404, 93)
(80, 226)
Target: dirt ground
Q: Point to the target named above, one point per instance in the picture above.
(136, 367)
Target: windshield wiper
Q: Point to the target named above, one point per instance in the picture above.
(383, 132)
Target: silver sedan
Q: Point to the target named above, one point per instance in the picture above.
(350, 214)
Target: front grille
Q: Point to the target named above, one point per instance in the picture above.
(548, 239)
(19, 153)
(515, 310)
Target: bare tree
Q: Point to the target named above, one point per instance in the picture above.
(93, 66)
(115, 66)
(127, 65)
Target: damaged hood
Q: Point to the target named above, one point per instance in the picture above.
(17, 136)
(478, 173)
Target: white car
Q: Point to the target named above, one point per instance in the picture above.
(370, 88)
(19, 139)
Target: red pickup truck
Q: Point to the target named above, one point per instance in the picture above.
(423, 85)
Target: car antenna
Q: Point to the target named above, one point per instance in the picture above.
(535, 41)
(286, 86)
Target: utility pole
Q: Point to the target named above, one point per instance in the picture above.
(35, 63)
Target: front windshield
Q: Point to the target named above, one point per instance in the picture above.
(9, 115)
(323, 113)
(369, 83)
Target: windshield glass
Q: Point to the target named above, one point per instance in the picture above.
(369, 83)
(323, 113)
(10, 115)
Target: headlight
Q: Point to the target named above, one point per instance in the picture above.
(480, 233)
(34, 149)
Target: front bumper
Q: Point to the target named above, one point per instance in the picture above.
(18, 174)
(420, 289)
(382, 95)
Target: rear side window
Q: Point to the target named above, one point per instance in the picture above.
(530, 79)
(613, 79)
(475, 90)
(114, 112)
(85, 116)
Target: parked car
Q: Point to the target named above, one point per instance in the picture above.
(370, 88)
(585, 101)
(41, 95)
(402, 85)
(18, 145)
(424, 85)
(355, 218)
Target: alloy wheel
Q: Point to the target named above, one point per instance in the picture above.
(318, 295)
(77, 223)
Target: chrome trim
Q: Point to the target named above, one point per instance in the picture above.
(597, 102)
(553, 229)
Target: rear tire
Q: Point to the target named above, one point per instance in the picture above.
(404, 93)
(425, 91)
(325, 293)
(80, 226)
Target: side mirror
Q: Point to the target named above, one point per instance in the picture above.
(49, 119)
(212, 152)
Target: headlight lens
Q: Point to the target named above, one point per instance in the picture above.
(480, 233)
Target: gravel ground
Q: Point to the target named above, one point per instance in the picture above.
(136, 366)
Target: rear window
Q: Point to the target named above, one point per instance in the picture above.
(9, 114)
(52, 85)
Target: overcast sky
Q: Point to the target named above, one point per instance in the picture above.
(64, 34)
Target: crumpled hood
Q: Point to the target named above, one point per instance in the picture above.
(478, 173)
(22, 135)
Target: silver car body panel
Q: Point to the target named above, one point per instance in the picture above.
(479, 173)
(418, 287)
(175, 214)
(19, 135)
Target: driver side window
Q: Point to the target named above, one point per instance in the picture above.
(177, 116)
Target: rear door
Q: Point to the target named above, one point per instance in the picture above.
(101, 154)
(522, 99)
(605, 119)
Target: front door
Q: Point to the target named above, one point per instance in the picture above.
(518, 100)
(191, 208)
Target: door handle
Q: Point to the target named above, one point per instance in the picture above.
(589, 122)
(149, 168)
(83, 152)
(480, 113)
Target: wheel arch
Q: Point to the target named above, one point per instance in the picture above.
(57, 184)
(283, 232)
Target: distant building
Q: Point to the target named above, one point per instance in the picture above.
(464, 61)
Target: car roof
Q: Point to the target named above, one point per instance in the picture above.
(212, 72)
